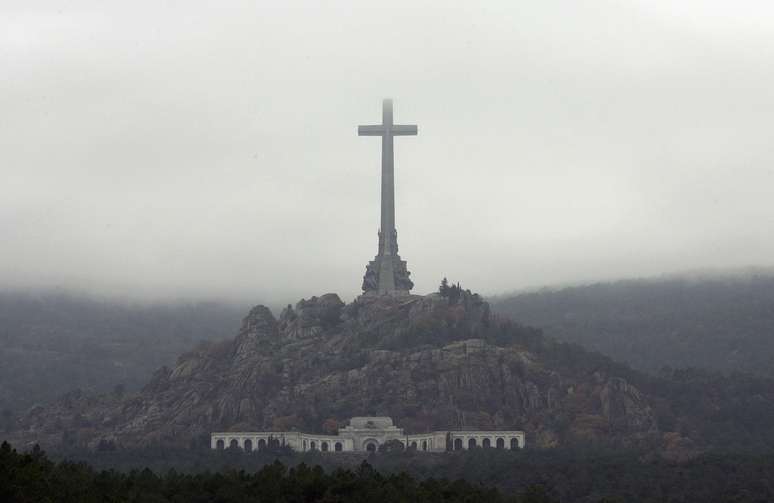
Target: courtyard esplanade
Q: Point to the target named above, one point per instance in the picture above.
(366, 434)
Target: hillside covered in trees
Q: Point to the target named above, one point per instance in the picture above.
(723, 323)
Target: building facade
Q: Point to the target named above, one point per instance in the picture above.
(366, 434)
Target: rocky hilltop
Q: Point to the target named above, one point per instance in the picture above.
(430, 362)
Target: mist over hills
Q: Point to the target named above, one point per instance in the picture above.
(721, 322)
(52, 343)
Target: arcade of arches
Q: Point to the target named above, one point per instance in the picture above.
(367, 434)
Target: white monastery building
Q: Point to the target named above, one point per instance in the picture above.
(366, 434)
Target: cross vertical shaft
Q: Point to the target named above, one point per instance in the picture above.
(388, 182)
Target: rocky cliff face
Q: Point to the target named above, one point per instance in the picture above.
(428, 362)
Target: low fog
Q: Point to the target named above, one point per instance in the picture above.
(176, 149)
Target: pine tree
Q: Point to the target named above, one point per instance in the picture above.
(444, 288)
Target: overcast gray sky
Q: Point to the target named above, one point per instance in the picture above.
(173, 148)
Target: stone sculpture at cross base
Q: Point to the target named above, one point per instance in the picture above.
(387, 274)
(386, 265)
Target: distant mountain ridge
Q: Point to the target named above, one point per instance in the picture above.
(52, 343)
(721, 322)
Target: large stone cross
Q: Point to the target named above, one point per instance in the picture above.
(387, 274)
(387, 130)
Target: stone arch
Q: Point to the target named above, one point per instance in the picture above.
(304, 444)
(233, 443)
(261, 444)
(514, 443)
(414, 445)
(486, 443)
(500, 443)
(471, 443)
(457, 444)
(220, 444)
(324, 446)
(371, 445)
(248, 445)
(337, 447)
(313, 446)
(424, 445)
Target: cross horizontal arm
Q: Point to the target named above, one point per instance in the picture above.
(379, 130)
(404, 130)
(370, 130)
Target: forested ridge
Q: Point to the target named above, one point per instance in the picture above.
(721, 322)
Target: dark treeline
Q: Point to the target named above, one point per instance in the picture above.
(721, 323)
(591, 474)
(53, 343)
(34, 478)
